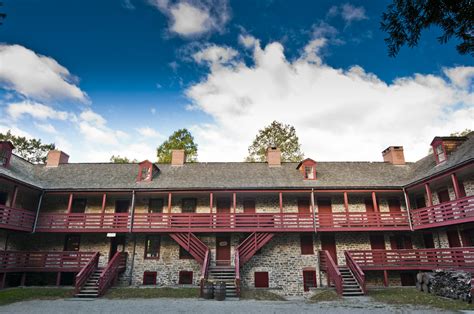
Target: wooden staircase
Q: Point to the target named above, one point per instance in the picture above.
(350, 286)
(252, 244)
(192, 244)
(91, 288)
(227, 275)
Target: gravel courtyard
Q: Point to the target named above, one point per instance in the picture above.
(352, 305)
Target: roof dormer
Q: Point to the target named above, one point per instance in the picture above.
(443, 146)
(308, 169)
(146, 171)
(6, 149)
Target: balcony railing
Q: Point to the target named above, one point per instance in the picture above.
(16, 261)
(417, 259)
(16, 219)
(361, 221)
(84, 222)
(453, 212)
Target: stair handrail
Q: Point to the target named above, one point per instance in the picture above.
(356, 270)
(333, 272)
(205, 270)
(86, 272)
(237, 271)
(110, 273)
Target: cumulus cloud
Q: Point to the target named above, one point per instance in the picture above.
(193, 18)
(348, 12)
(46, 127)
(215, 55)
(36, 76)
(35, 110)
(148, 132)
(339, 114)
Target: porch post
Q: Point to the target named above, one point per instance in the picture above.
(428, 194)
(69, 204)
(385, 278)
(280, 197)
(58, 279)
(407, 202)
(313, 210)
(234, 201)
(104, 202)
(169, 202)
(346, 201)
(15, 193)
(23, 279)
(132, 211)
(211, 201)
(454, 178)
(38, 210)
(4, 278)
(374, 202)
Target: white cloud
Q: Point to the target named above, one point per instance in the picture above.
(92, 117)
(46, 127)
(148, 132)
(194, 18)
(35, 110)
(461, 76)
(348, 12)
(338, 114)
(248, 41)
(127, 4)
(215, 55)
(35, 76)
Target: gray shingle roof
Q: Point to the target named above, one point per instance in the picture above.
(232, 175)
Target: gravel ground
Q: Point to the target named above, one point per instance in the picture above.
(348, 305)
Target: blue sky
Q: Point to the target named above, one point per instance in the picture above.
(117, 77)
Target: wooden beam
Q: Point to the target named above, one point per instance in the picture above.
(454, 178)
(428, 194)
(280, 198)
(407, 202)
(211, 201)
(69, 204)
(374, 202)
(385, 278)
(346, 201)
(234, 201)
(15, 194)
(58, 279)
(169, 202)
(104, 202)
(23, 279)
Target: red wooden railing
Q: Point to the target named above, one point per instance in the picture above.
(251, 245)
(110, 273)
(237, 271)
(415, 259)
(19, 261)
(205, 270)
(192, 244)
(86, 272)
(16, 218)
(83, 222)
(332, 271)
(356, 270)
(453, 212)
(362, 221)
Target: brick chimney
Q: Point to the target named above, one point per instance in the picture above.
(178, 157)
(394, 155)
(273, 157)
(56, 158)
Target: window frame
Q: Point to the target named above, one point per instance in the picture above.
(304, 244)
(311, 171)
(182, 273)
(259, 280)
(438, 150)
(149, 273)
(189, 199)
(145, 255)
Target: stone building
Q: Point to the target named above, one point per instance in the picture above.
(274, 225)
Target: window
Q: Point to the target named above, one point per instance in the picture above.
(145, 171)
(309, 173)
(79, 205)
(5, 153)
(183, 254)
(261, 279)
(4, 157)
(155, 205)
(152, 247)
(185, 277)
(149, 278)
(72, 242)
(188, 205)
(309, 279)
(394, 205)
(306, 242)
(249, 206)
(440, 153)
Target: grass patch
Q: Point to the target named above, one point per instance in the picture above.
(150, 293)
(412, 296)
(13, 295)
(261, 295)
(322, 295)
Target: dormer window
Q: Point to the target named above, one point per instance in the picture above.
(440, 153)
(145, 171)
(308, 169)
(6, 149)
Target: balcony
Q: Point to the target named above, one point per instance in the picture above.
(362, 221)
(16, 219)
(84, 222)
(444, 214)
(16, 261)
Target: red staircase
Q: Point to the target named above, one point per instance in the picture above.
(192, 244)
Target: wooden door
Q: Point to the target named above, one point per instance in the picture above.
(249, 206)
(428, 240)
(309, 279)
(420, 201)
(394, 205)
(328, 243)
(377, 242)
(467, 237)
(443, 196)
(122, 206)
(325, 212)
(400, 242)
(72, 242)
(223, 212)
(117, 244)
(303, 206)
(453, 238)
(223, 250)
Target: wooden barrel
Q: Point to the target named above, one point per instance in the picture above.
(219, 291)
(208, 290)
(419, 277)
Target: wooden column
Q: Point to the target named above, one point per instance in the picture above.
(374, 202)
(4, 278)
(169, 202)
(69, 204)
(15, 194)
(429, 196)
(454, 178)
(23, 279)
(104, 201)
(346, 202)
(385, 278)
(234, 201)
(211, 201)
(58, 279)
(280, 198)
(407, 202)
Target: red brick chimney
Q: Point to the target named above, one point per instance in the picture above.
(394, 155)
(56, 158)
(178, 157)
(273, 157)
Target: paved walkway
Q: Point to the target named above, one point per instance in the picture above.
(349, 305)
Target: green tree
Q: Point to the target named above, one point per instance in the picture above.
(121, 160)
(31, 149)
(404, 20)
(461, 133)
(180, 139)
(276, 134)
